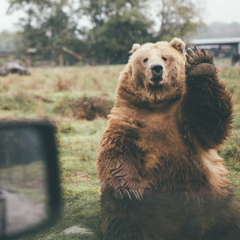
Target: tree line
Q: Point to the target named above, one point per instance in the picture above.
(101, 31)
(219, 30)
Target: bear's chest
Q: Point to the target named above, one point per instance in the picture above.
(160, 133)
(163, 149)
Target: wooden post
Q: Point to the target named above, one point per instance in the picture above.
(30, 52)
(29, 60)
(60, 57)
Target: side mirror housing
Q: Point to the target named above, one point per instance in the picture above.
(29, 177)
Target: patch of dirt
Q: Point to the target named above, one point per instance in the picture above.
(91, 108)
(77, 229)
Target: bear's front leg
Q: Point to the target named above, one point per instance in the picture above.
(206, 112)
(122, 186)
(118, 167)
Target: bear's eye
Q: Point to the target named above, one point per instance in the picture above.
(164, 59)
(145, 59)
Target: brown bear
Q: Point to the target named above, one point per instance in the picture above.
(161, 176)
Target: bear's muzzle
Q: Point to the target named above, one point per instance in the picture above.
(157, 71)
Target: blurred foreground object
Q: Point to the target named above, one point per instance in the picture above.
(29, 177)
(14, 67)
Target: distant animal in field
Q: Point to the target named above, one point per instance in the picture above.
(14, 67)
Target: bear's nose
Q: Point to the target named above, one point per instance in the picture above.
(157, 70)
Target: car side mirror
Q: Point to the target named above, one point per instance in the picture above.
(29, 177)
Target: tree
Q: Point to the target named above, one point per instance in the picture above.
(178, 18)
(113, 26)
(112, 41)
(99, 11)
(47, 26)
(7, 41)
(117, 25)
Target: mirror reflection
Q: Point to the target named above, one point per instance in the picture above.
(23, 190)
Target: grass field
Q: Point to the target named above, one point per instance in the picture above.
(64, 95)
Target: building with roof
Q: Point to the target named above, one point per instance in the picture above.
(229, 47)
(234, 42)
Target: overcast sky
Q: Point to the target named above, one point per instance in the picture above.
(215, 10)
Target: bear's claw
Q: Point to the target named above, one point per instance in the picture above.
(129, 193)
(199, 62)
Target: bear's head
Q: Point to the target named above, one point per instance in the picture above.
(155, 73)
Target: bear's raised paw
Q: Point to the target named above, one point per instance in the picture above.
(199, 63)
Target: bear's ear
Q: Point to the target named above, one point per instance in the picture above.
(178, 44)
(135, 47)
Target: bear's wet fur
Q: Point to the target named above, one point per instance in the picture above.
(161, 176)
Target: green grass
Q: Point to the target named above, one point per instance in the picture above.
(50, 93)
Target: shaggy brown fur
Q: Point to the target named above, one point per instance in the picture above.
(160, 173)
